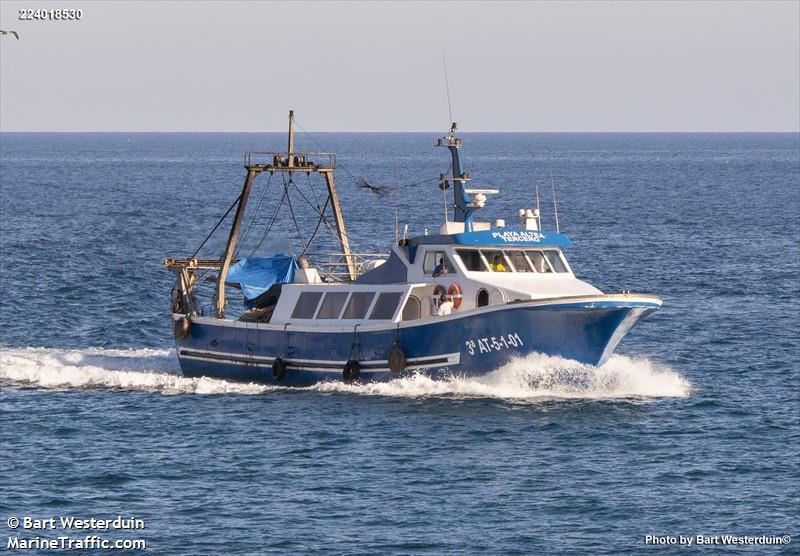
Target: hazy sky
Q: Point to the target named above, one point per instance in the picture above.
(377, 66)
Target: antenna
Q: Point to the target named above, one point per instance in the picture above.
(447, 88)
(396, 216)
(555, 204)
(290, 148)
(538, 209)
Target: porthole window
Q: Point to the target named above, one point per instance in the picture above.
(413, 309)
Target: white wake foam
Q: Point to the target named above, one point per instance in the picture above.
(534, 377)
(538, 377)
(153, 370)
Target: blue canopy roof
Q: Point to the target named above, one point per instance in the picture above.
(255, 275)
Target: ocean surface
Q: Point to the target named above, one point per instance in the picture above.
(692, 428)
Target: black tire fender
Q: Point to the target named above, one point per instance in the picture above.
(278, 369)
(351, 371)
(397, 360)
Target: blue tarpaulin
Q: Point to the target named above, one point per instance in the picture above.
(255, 275)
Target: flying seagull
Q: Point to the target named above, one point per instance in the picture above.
(380, 190)
(9, 33)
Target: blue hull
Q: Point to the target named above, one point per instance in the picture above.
(470, 343)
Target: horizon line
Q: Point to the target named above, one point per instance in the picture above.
(407, 131)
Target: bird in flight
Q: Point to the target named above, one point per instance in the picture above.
(2, 32)
(379, 190)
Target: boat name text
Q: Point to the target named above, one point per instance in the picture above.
(511, 236)
(494, 343)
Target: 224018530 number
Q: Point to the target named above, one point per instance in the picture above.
(50, 15)
(493, 343)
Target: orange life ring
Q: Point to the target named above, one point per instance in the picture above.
(455, 293)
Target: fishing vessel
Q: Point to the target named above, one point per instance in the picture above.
(462, 301)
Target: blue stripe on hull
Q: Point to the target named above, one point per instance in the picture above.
(475, 343)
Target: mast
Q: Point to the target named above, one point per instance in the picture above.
(462, 200)
(465, 205)
(290, 147)
(231, 245)
(288, 162)
(339, 219)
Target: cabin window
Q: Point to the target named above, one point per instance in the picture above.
(358, 305)
(306, 305)
(539, 261)
(436, 263)
(519, 261)
(483, 298)
(332, 305)
(471, 259)
(413, 309)
(555, 261)
(497, 262)
(385, 306)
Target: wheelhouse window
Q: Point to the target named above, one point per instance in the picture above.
(306, 305)
(358, 305)
(332, 305)
(539, 261)
(555, 261)
(472, 259)
(513, 260)
(436, 263)
(385, 306)
(519, 261)
(497, 262)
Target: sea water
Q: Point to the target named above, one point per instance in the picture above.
(691, 429)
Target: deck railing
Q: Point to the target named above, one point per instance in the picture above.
(270, 160)
(333, 266)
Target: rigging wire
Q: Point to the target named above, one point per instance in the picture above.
(291, 209)
(311, 138)
(280, 204)
(316, 229)
(311, 187)
(343, 167)
(250, 225)
(355, 240)
(315, 208)
(268, 228)
(214, 229)
(447, 88)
